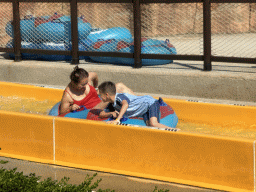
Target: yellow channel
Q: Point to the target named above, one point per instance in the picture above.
(215, 149)
(33, 106)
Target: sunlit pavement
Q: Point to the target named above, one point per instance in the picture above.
(119, 183)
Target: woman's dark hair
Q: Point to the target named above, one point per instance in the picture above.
(78, 74)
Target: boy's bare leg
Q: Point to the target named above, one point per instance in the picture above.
(122, 88)
(154, 123)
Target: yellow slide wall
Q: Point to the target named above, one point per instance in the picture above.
(217, 114)
(30, 91)
(207, 161)
(26, 135)
(195, 159)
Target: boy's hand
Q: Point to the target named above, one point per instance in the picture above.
(114, 114)
(115, 122)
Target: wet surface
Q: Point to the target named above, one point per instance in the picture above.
(237, 131)
(32, 106)
(26, 105)
(119, 183)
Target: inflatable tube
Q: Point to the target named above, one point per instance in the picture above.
(26, 29)
(47, 46)
(56, 28)
(148, 46)
(24, 45)
(117, 33)
(167, 117)
(60, 29)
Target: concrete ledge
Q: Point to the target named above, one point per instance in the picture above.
(226, 81)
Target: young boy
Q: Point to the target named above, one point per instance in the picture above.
(131, 105)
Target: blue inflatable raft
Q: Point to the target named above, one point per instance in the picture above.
(47, 46)
(117, 33)
(167, 117)
(148, 46)
(49, 28)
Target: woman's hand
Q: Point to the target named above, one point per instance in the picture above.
(74, 107)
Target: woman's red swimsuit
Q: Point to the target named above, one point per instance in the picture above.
(90, 100)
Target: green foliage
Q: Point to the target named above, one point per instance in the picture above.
(3, 162)
(10, 181)
(160, 190)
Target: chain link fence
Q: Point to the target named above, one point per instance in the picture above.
(175, 28)
(41, 27)
(180, 23)
(233, 29)
(5, 17)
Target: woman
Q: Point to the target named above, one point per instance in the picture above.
(81, 92)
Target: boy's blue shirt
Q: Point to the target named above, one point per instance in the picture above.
(138, 105)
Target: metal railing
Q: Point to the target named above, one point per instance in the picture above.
(206, 56)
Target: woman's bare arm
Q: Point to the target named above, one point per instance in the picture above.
(65, 104)
(93, 79)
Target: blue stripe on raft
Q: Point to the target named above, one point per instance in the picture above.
(79, 114)
(170, 121)
(54, 110)
(76, 114)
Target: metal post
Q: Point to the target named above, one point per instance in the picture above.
(74, 32)
(137, 34)
(16, 28)
(207, 35)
